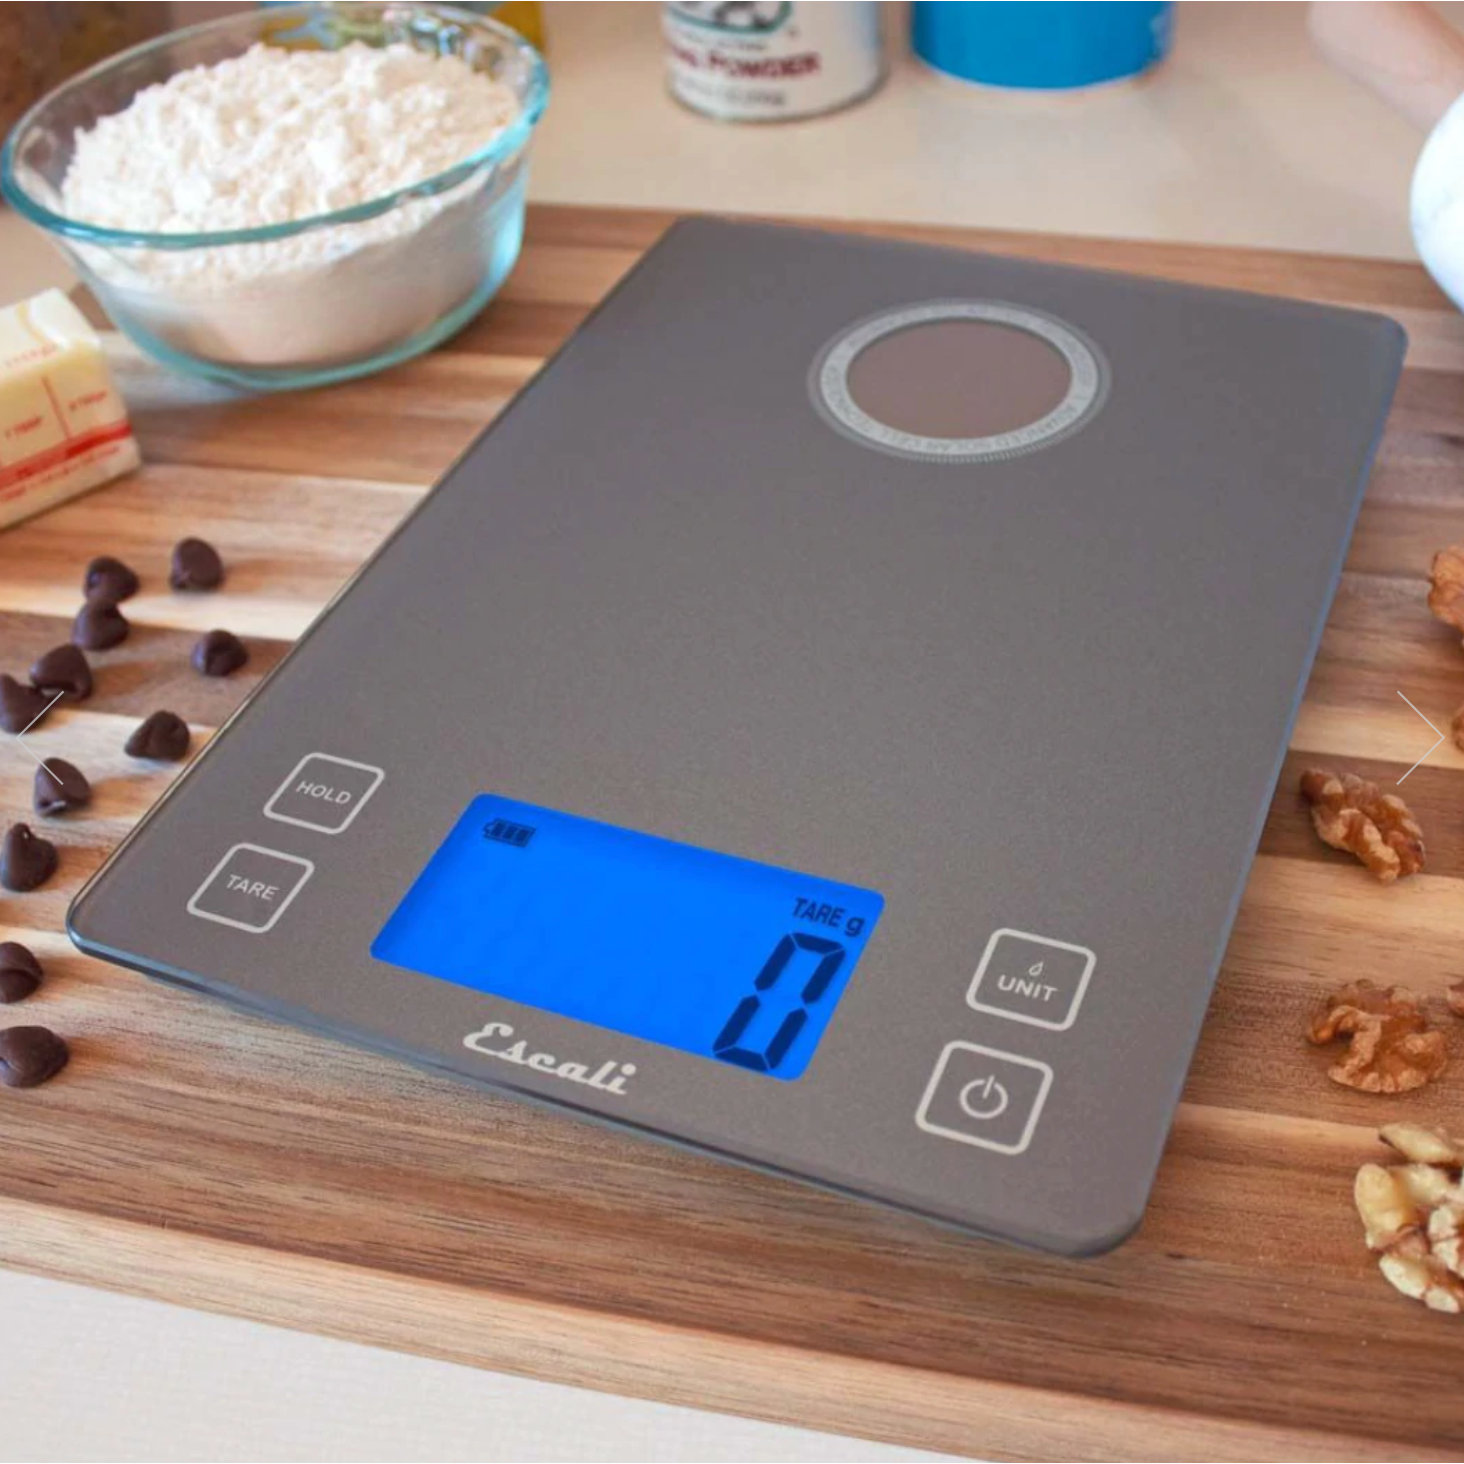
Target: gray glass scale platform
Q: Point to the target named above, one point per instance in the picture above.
(827, 721)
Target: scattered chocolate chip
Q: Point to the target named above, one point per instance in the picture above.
(109, 579)
(99, 625)
(20, 705)
(20, 972)
(60, 787)
(196, 566)
(63, 668)
(27, 861)
(30, 1056)
(163, 736)
(219, 653)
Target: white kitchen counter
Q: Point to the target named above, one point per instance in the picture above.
(1244, 137)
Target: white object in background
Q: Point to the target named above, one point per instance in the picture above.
(772, 62)
(63, 427)
(1414, 61)
(1437, 204)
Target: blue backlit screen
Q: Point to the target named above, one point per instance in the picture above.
(732, 960)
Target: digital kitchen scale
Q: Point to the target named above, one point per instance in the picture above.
(826, 721)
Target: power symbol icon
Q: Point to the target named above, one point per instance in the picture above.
(984, 1098)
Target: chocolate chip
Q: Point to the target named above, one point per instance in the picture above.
(196, 566)
(163, 736)
(99, 625)
(108, 579)
(27, 861)
(30, 1056)
(63, 668)
(219, 653)
(20, 972)
(20, 705)
(60, 787)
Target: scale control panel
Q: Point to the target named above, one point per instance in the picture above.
(990, 1097)
(977, 1094)
(252, 886)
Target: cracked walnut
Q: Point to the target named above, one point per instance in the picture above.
(1413, 1214)
(1352, 814)
(1390, 1046)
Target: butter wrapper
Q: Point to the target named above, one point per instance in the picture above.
(63, 425)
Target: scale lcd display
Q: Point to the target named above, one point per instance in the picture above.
(735, 961)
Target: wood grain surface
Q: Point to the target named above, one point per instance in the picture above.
(205, 1157)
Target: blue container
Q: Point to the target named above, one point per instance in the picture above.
(1046, 45)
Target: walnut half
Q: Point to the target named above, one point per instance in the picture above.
(1446, 586)
(1390, 1047)
(1354, 815)
(1413, 1215)
(1423, 1145)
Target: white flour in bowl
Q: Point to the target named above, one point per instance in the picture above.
(276, 135)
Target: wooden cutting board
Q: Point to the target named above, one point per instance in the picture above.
(204, 1157)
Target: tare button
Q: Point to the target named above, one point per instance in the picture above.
(324, 793)
(1031, 978)
(250, 888)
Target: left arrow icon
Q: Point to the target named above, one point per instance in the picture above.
(19, 737)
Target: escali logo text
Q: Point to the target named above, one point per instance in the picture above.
(493, 1041)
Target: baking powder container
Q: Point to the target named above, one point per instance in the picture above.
(770, 62)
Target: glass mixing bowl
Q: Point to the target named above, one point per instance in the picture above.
(317, 299)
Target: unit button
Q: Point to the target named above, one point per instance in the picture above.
(324, 793)
(250, 888)
(977, 1095)
(1031, 978)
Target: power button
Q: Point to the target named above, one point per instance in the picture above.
(977, 1095)
(984, 1098)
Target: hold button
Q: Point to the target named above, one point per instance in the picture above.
(324, 793)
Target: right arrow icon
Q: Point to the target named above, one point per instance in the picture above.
(1430, 727)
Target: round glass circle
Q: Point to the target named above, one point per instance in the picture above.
(959, 381)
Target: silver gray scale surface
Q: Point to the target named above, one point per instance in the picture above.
(827, 720)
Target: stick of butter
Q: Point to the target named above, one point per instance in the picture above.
(63, 426)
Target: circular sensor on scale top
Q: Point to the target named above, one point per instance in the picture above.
(959, 381)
